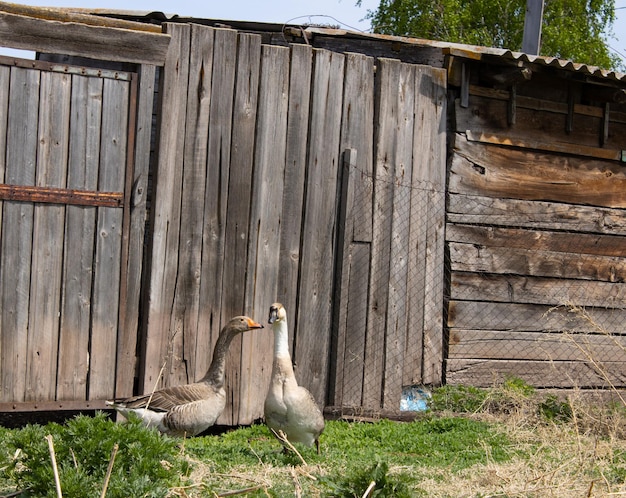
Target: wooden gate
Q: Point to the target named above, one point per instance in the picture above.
(66, 145)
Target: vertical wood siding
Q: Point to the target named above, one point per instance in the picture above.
(265, 129)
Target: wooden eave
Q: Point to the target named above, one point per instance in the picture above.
(59, 31)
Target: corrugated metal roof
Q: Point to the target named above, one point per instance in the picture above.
(477, 52)
(458, 49)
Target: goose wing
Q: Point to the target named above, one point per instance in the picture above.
(169, 397)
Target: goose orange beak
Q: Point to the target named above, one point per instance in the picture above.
(254, 325)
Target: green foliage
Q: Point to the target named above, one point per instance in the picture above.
(146, 463)
(355, 485)
(572, 29)
(458, 399)
(555, 410)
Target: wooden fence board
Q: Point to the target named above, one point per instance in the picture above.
(387, 74)
(535, 214)
(108, 264)
(5, 75)
(216, 193)
(238, 226)
(295, 169)
(507, 172)
(531, 317)
(48, 229)
(16, 240)
(533, 290)
(83, 159)
(265, 225)
(318, 232)
(349, 318)
(470, 257)
(429, 184)
(592, 244)
(536, 346)
(165, 223)
(196, 350)
(354, 233)
(397, 307)
(129, 334)
(559, 374)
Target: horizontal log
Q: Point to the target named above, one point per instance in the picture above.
(497, 211)
(488, 170)
(601, 245)
(52, 195)
(542, 374)
(72, 38)
(530, 346)
(478, 258)
(534, 290)
(483, 315)
(529, 143)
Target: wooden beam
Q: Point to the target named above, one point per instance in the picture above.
(45, 406)
(76, 38)
(75, 16)
(52, 195)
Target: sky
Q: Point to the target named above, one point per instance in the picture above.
(336, 12)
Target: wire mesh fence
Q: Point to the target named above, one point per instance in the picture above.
(443, 287)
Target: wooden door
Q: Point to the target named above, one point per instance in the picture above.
(66, 145)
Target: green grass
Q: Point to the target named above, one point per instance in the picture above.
(505, 441)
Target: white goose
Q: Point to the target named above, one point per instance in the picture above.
(189, 409)
(289, 407)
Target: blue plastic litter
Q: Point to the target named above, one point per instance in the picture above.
(414, 399)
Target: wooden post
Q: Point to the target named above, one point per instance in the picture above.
(532, 27)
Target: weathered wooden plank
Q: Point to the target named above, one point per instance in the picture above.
(537, 263)
(535, 214)
(216, 192)
(350, 295)
(354, 227)
(536, 346)
(97, 42)
(165, 221)
(487, 373)
(318, 232)
(17, 226)
(238, 226)
(357, 129)
(581, 243)
(80, 222)
(400, 207)
(534, 123)
(295, 170)
(429, 185)
(48, 229)
(387, 74)
(265, 225)
(195, 352)
(55, 195)
(109, 224)
(485, 315)
(5, 75)
(525, 142)
(523, 289)
(479, 169)
(126, 371)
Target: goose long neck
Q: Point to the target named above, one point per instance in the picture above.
(281, 338)
(215, 373)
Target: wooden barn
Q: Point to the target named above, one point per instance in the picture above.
(427, 212)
